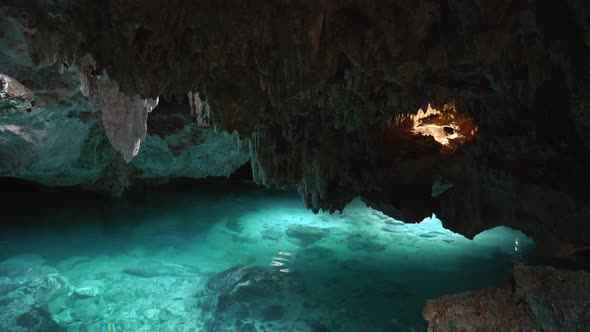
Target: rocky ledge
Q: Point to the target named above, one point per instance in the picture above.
(539, 299)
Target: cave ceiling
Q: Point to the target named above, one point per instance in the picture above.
(472, 110)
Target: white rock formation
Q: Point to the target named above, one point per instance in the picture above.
(14, 93)
(199, 109)
(124, 118)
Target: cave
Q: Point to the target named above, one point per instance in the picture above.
(308, 166)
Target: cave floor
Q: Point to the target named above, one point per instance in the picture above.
(151, 263)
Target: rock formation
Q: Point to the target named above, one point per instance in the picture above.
(237, 300)
(64, 124)
(540, 299)
(326, 96)
(124, 118)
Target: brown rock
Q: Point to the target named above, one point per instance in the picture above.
(540, 299)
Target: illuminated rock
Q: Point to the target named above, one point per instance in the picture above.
(14, 95)
(124, 118)
(199, 109)
(442, 133)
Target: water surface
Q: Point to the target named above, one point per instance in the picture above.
(155, 261)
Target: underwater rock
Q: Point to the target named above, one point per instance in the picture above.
(539, 299)
(38, 320)
(253, 292)
(271, 233)
(87, 309)
(155, 268)
(364, 241)
(64, 317)
(315, 253)
(88, 288)
(245, 327)
(22, 264)
(151, 314)
(24, 303)
(166, 315)
(70, 262)
(305, 236)
(234, 226)
(7, 285)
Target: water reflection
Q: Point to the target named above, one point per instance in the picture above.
(281, 261)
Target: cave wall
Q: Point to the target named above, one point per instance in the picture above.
(322, 92)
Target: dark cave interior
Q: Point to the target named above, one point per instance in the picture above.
(246, 165)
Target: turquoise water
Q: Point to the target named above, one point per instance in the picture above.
(233, 258)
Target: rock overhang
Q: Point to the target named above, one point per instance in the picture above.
(312, 88)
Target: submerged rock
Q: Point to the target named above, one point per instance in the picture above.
(25, 300)
(234, 226)
(271, 233)
(305, 236)
(539, 299)
(364, 241)
(37, 320)
(243, 297)
(316, 253)
(22, 264)
(89, 288)
(155, 268)
(70, 262)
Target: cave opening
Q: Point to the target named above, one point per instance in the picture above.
(444, 124)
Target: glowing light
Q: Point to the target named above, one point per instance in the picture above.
(442, 133)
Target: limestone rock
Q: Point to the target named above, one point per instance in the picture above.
(271, 233)
(24, 264)
(541, 298)
(150, 314)
(124, 118)
(26, 295)
(51, 133)
(246, 292)
(14, 95)
(88, 288)
(37, 320)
